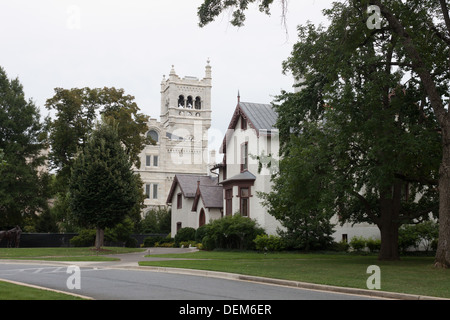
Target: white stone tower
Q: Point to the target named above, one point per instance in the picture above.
(181, 135)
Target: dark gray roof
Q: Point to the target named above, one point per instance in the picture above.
(246, 175)
(188, 183)
(262, 116)
(212, 196)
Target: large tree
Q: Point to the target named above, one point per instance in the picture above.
(76, 111)
(22, 188)
(419, 32)
(103, 188)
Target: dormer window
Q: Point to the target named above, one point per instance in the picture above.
(243, 123)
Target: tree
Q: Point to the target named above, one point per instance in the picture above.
(76, 111)
(103, 188)
(297, 194)
(210, 9)
(424, 32)
(22, 188)
(420, 35)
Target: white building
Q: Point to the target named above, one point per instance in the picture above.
(176, 170)
(181, 135)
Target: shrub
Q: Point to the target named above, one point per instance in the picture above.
(185, 234)
(341, 246)
(86, 238)
(150, 241)
(269, 243)
(373, 244)
(201, 232)
(358, 243)
(231, 232)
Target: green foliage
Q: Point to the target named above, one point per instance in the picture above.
(185, 234)
(269, 243)
(415, 235)
(122, 233)
(103, 187)
(85, 238)
(374, 245)
(151, 241)
(358, 243)
(23, 192)
(156, 221)
(200, 233)
(231, 232)
(210, 9)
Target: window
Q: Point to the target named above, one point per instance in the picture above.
(147, 160)
(244, 200)
(153, 135)
(244, 156)
(155, 161)
(155, 191)
(198, 103)
(202, 218)
(190, 102)
(228, 202)
(179, 226)
(243, 123)
(147, 191)
(179, 201)
(181, 101)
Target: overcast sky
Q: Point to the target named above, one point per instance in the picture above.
(132, 44)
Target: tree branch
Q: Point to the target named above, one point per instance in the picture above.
(418, 63)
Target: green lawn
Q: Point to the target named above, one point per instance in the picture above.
(413, 275)
(10, 291)
(63, 254)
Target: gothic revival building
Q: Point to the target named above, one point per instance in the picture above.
(181, 135)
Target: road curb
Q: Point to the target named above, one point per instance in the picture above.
(290, 283)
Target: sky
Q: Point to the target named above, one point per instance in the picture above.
(131, 44)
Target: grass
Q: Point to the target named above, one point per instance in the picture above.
(10, 291)
(63, 254)
(412, 275)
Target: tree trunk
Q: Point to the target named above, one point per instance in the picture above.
(442, 259)
(389, 242)
(99, 238)
(388, 225)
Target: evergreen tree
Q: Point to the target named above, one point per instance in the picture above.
(103, 187)
(22, 188)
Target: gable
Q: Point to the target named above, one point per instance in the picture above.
(260, 117)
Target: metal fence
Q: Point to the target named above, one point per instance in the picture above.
(56, 240)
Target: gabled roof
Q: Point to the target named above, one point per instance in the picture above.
(188, 184)
(211, 195)
(260, 117)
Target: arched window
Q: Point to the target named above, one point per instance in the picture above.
(154, 135)
(202, 218)
(181, 101)
(190, 103)
(198, 103)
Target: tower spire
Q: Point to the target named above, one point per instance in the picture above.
(239, 97)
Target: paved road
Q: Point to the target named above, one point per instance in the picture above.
(106, 281)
